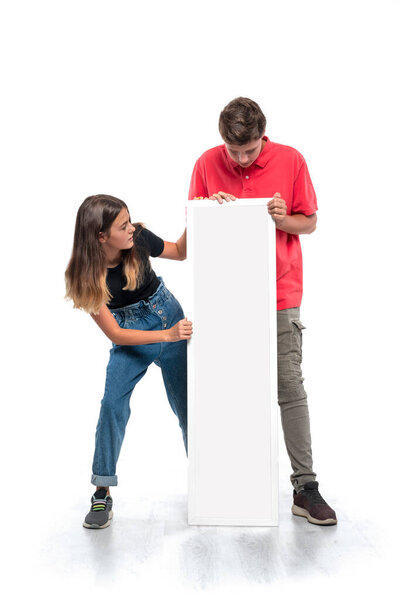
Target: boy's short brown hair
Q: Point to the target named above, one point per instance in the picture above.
(241, 122)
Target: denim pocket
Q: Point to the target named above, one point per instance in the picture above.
(119, 317)
(174, 311)
(132, 323)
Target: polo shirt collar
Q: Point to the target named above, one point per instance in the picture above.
(263, 157)
(260, 161)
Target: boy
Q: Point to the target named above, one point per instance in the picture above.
(249, 165)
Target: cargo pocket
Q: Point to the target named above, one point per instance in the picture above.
(298, 336)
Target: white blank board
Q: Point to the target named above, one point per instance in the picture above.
(232, 373)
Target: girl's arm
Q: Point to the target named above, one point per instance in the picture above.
(177, 250)
(135, 337)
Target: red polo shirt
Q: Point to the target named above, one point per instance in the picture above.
(278, 168)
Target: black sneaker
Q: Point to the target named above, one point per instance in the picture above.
(101, 513)
(309, 503)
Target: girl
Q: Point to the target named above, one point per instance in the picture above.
(109, 275)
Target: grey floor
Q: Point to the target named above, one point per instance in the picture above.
(150, 549)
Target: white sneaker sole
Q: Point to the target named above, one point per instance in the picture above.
(302, 512)
(95, 526)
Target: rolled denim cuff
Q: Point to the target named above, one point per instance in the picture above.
(104, 480)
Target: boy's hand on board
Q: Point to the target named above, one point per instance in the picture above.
(277, 208)
(219, 196)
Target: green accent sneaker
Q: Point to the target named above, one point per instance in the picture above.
(101, 513)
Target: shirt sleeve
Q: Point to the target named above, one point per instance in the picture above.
(154, 243)
(198, 186)
(304, 197)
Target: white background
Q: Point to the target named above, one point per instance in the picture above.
(121, 98)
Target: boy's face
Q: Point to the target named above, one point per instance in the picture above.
(246, 154)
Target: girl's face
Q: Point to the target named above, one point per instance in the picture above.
(120, 236)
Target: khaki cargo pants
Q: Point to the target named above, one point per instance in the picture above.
(292, 397)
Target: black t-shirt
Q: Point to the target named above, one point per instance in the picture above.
(147, 244)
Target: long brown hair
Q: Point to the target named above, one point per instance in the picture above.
(85, 277)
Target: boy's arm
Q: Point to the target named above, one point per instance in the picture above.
(295, 224)
(298, 224)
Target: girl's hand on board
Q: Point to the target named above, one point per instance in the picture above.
(181, 331)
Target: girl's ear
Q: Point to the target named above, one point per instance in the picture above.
(102, 237)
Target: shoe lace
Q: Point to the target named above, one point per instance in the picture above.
(314, 496)
(98, 505)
